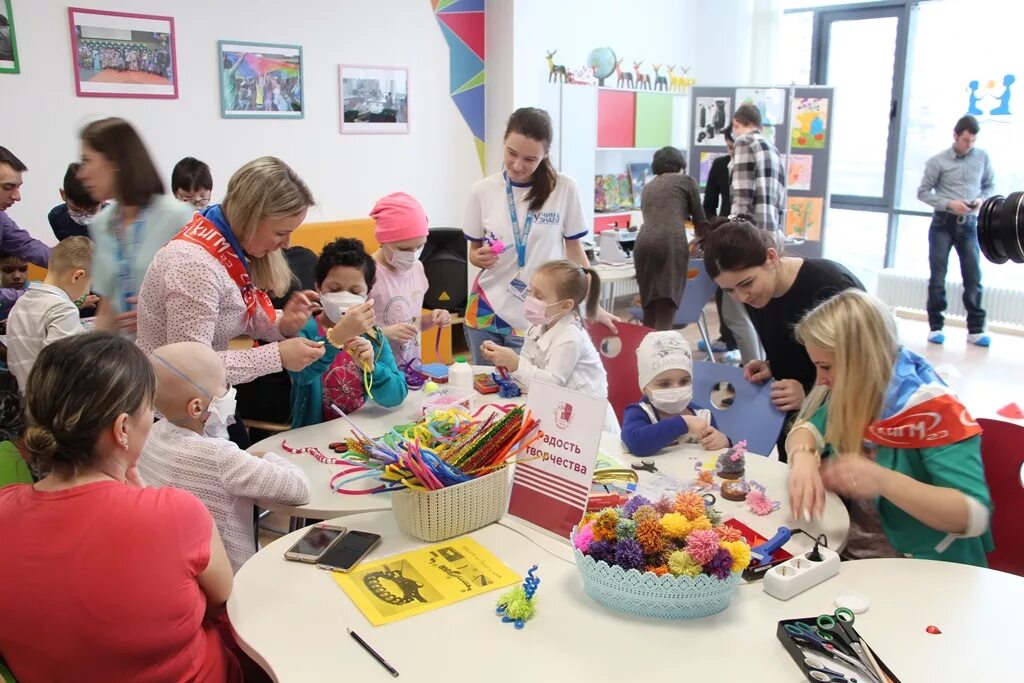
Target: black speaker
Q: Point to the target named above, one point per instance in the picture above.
(444, 262)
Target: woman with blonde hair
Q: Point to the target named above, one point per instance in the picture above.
(883, 431)
(210, 283)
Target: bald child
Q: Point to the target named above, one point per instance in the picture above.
(189, 449)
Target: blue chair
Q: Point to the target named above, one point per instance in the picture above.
(751, 417)
(697, 293)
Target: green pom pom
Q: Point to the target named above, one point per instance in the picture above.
(516, 604)
(714, 516)
(626, 529)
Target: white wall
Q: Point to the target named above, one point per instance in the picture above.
(436, 161)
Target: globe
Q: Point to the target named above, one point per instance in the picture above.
(602, 61)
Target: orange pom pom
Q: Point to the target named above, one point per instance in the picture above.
(728, 533)
(660, 570)
(690, 505)
(649, 536)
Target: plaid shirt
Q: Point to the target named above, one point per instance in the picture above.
(759, 182)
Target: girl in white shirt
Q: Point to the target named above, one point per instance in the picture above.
(557, 349)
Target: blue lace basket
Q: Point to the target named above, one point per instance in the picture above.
(646, 594)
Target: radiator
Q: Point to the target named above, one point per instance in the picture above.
(910, 291)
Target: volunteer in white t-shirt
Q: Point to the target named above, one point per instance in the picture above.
(516, 220)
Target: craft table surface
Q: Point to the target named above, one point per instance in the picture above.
(291, 618)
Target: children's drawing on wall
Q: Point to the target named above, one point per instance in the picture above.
(713, 115)
(991, 98)
(798, 176)
(771, 102)
(803, 217)
(810, 120)
(706, 159)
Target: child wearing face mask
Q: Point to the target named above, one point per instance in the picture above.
(666, 415)
(76, 210)
(189, 448)
(357, 363)
(557, 348)
(401, 229)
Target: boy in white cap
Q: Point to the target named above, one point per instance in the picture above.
(665, 415)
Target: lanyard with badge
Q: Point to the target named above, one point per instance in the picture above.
(517, 287)
(125, 258)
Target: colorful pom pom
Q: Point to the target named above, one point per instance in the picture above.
(629, 555)
(645, 512)
(649, 536)
(602, 550)
(689, 504)
(665, 505)
(740, 553)
(632, 505)
(681, 563)
(721, 565)
(701, 523)
(703, 546)
(714, 516)
(584, 537)
(760, 504)
(606, 525)
(675, 525)
(625, 529)
(660, 570)
(728, 533)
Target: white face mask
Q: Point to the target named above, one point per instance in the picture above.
(402, 261)
(222, 414)
(672, 401)
(336, 304)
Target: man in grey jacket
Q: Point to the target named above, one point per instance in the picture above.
(956, 181)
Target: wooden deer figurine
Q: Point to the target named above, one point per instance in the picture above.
(556, 72)
(658, 78)
(685, 81)
(622, 78)
(674, 82)
(643, 81)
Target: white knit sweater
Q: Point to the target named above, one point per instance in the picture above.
(227, 479)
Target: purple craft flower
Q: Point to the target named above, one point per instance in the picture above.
(602, 550)
(633, 504)
(629, 555)
(721, 566)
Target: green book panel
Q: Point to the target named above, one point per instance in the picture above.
(653, 120)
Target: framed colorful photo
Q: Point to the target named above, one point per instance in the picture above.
(117, 54)
(260, 80)
(374, 99)
(8, 42)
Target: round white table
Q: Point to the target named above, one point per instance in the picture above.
(291, 618)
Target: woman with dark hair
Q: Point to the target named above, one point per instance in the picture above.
(661, 254)
(124, 577)
(516, 220)
(128, 233)
(777, 292)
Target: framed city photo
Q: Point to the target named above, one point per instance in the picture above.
(260, 80)
(117, 54)
(374, 99)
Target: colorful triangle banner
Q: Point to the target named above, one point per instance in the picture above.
(469, 27)
(462, 6)
(462, 24)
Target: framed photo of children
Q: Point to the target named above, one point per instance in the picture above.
(260, 80)
(374, 99)
(8, 42)
(117, 54)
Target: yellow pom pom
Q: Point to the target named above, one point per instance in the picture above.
(740, 552)
(675, 525)
(701, 523)
(681, 564)
(430, 387)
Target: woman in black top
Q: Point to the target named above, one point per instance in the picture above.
(777, 291)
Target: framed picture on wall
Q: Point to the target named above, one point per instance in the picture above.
(8, 42)
(260, 80)
(374, 99)
(117, 54)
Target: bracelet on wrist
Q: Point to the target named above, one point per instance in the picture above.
(806, 449)
(330, 338)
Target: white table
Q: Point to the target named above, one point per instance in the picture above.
(292, 617)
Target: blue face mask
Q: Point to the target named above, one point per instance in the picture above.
(220, 410)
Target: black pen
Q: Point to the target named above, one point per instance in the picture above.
(373, 653)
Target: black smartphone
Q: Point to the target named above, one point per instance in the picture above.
(348, 551)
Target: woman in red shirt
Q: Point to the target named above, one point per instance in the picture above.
(102, 579)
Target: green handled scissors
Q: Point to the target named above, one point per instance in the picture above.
(840, 625)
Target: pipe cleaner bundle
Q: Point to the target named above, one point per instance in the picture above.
(444, 448)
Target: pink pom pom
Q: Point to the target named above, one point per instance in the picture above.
(760, 504)
(584, 537)
(702, 545)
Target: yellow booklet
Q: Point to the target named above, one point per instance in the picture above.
(421, 580)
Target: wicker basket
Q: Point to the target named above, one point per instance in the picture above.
(454, 510)
(646, 594)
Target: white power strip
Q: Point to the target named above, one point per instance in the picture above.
(796, 575)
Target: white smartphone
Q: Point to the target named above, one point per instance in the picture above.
(314, 542)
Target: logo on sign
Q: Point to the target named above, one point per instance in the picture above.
(563, 415)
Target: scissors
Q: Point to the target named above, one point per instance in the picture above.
(646, 465)
(805, 633)
(840, 624)
(819, 672)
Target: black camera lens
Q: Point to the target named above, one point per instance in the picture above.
(1001, 228)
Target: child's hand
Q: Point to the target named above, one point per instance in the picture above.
(712, 439)
(90, 301)
(499, 355)
(361, 351)
(358, 320)
(400, 332)
(297, 311)
(440, 318)
(483, 256)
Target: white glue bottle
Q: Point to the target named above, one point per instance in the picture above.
(460, 375)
